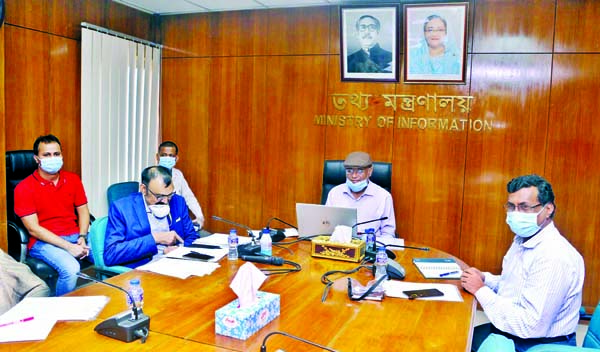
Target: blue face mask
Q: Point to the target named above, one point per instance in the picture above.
(523, 224)
(51, 165)
(357, 187)
(167, 161)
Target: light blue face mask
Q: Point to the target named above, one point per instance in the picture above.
(357, 187)
(51, 165)
(523, 224)
(167, 161)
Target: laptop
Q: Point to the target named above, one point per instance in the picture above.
(316, 219)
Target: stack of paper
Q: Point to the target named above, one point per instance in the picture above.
(438, 268)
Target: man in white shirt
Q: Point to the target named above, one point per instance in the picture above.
(537, 297)
(167, 156)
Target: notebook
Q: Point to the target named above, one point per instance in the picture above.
(438, 268)
(316, 219)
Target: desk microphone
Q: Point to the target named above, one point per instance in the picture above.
(263, 347)
(368, 221)
(243, 249)
(122, 326)
(263, 259)
(278, 234)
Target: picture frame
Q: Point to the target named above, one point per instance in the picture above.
(369, 43)
(435, 43)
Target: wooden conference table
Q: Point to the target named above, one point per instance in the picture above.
(182, 312)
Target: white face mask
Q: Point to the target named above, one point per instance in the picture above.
(167, 161)
(160, 210)
(51, 165)
(523, 224)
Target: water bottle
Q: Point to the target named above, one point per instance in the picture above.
(266, 243)
(381, 260)
(370, 238)
(232, 241)
(137, 293)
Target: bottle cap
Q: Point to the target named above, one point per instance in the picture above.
(134, 281)
(266, 230)
(369, 230)
(233, 231)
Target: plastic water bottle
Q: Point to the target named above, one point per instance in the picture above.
(266, 243)
(137, 293)
(381, 260)
(232, 242)
(370, 238)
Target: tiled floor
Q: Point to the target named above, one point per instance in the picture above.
(481, 318)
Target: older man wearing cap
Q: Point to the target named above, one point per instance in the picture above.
(371, 200)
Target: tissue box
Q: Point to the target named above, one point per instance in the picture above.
(241, 323)
(351, 252)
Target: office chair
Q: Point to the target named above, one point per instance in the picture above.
(96, 238)
(334, 174)
(120, 190)
(19, 165)
(591, 341)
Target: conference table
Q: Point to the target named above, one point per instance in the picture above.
(182, 312)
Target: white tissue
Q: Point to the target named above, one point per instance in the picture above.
(246, 283)
(341, 234)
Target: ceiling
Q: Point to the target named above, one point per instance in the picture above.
(172, 7)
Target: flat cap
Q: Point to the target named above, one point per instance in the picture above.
(358, 159)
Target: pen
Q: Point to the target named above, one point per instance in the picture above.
(450, 273)
(16, 322)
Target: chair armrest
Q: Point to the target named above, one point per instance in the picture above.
(17, 236)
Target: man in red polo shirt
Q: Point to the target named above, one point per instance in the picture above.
(53, 207)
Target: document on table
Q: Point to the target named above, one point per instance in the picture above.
(216, 253)
(179, 268)
(391, 242)
(220, 239)
(438, 268)
(395, 288)
(34, 317)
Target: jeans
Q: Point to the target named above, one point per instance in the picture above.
(61, 260)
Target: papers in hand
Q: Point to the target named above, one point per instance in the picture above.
(33, 318)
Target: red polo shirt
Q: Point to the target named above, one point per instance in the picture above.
(54, 205)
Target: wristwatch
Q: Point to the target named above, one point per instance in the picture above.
(84, 236)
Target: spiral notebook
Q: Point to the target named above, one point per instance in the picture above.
(438, 268)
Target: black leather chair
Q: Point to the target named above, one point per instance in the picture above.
(19, 165)
(334, 174)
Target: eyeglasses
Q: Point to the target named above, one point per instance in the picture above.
(435, 30)
(368, 27)
(359, 171)
(160, 197)
(524, 208)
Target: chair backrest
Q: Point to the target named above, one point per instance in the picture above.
(334, 174)
(120, 190)
(96, 240)
(592, 337)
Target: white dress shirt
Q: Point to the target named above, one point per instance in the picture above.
(183, 189)
(538, 293)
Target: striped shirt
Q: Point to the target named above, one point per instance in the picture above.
(538, 293)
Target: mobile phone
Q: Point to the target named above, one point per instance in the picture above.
(196, 255)
(429, 292)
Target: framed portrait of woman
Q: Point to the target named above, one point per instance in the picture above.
(435, 43)
(369, 43)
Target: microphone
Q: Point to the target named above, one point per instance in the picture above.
(123, 326)
(243, 249)
(263, 347)
(368, 221)
(263, 259)
(278, 234)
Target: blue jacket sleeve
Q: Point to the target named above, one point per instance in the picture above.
(127, 238)
(181, 223)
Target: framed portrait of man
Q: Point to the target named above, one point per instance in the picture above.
(435, 42)
(369, 43)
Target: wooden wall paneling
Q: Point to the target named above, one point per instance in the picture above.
(572, 159)
(577, 26)
(356, 127)
(128, 20)
(334, 30)
(186, 35)
(3, 207)
(185, 120)
(238, 33)
(513, 26)
(513, 92)
(65, 18)
(299, 31)
(27, 101)
(428, 167)
(293, 165)
(239, 146)
(64, 94)
(28, 13)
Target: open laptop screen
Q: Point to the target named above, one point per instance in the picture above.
(316, 219)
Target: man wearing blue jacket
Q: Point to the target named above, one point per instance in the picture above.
(146, 225)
